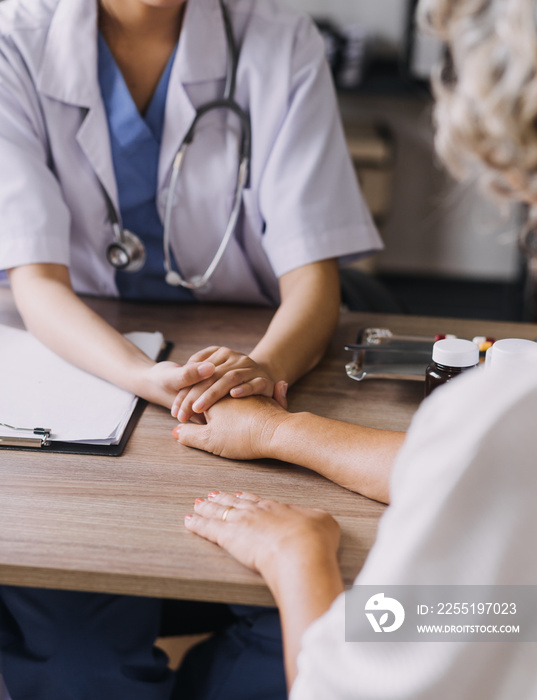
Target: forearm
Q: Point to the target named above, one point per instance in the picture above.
(354, 456)
(300, 331)
(60, 320)
(304, 586)
(294, 548)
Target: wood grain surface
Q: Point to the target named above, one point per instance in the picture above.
(116, 524)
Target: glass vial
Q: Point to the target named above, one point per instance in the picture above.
(451, 357)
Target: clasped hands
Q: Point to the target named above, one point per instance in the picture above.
(211, 374)
(217, 377)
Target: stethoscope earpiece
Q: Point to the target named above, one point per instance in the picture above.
(173, 278)
(201, 283)
(198, 282)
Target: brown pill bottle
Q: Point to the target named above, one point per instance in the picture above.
(451, 357)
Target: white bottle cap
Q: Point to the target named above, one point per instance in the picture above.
(509, 353)
(456, 352)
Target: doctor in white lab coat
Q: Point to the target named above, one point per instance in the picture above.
(95, 99)
(62, 143)
(301, 205)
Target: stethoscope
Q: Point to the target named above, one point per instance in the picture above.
(127, 252)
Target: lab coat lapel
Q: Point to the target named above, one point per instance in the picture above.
(201, 56)
(94, 140)
(69, 74)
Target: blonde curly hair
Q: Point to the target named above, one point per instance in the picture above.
(486, 110)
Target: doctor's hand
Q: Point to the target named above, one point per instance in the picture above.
(265, 535)
(159, 382)
(235, 429)
(236, 375)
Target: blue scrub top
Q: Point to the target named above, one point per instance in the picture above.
(135, 141)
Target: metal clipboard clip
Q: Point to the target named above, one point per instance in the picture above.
(41, 439)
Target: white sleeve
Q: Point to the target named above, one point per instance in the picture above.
(330, 667)
(309, 196)
(463, 513)
(35, 221)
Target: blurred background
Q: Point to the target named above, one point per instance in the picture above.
(449, 251)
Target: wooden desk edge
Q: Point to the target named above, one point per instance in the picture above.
(127, 584)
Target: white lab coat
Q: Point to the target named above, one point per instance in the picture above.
(302, 204)
(463, 512)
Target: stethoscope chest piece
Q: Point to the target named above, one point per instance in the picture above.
(127, 252)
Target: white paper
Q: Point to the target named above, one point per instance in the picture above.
(39, 389)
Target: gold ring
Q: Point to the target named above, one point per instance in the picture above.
(226, 512)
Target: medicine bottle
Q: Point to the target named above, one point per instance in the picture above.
(451, 357)
(511, 354)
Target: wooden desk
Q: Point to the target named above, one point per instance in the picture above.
(116, 524)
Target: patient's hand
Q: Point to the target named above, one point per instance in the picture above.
(263, 534)
(235, 429)
(236, 375)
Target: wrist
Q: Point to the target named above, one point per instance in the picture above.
(267, 434)
(274, 369)
(307, 564)
(144, 384)
(288, 432)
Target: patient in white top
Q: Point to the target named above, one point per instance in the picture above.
(462, 483)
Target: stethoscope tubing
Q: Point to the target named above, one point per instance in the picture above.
(131, 242)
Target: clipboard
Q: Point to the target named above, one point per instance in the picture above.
(39, 439)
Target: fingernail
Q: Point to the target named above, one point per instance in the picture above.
(182, 416)
(199, 500)
(238, 495)
(284, 388)
(175, 409)
(213, 494)
(237, 391)
(188, 517)
(175, 432)
(205, 369)
(198, 406)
